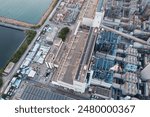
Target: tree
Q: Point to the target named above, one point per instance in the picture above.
(63, 33)
(1, 82)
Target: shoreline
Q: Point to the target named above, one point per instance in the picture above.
(28, 25)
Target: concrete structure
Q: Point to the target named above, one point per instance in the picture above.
(129, 89)
(99, 14)
(51, 33)
(146, 8)
(31, 74)
(37, 93)
(145, 73)
(102, 93)
(17, 83)
(9, 67)
(41, 54)
(125, 35)
(93, 14)
(68, 74)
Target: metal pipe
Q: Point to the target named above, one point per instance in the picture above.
(125, 35)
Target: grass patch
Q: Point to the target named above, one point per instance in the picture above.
(36, 26)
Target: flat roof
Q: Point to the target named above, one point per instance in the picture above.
(91, 9)
(32, 73)
(145, 73)
(103, 91)
(68, 70)
(74, 57)
(130, 88)
(131, 77)
(37, 93)
(9, 67)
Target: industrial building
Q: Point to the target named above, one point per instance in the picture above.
(93, 13)
(68, 11)
(67, 72)
(106, 54)
(115, 61)
(9, 67)
(37, 93)
(114, 67)
(51, 33)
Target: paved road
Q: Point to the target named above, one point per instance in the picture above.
(9, 77)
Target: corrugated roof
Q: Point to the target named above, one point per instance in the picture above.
(37, 93)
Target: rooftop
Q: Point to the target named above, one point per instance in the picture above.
(9, 67)
(130, 88)
(73, 60)
(91, 9)
(145, 74)
(36, 93)
(69, 68)
(102, 91)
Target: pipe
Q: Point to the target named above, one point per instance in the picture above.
(125, 35)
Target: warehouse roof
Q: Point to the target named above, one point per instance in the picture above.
(9, 67)
(37, 93)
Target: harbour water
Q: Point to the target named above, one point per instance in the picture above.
(10, 40)
(29, 11)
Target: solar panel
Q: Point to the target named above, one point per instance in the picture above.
(36, 93)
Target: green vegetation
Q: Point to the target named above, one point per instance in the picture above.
(1, 71)
(29, 37)
(1, 82)
(15, 58)
(4, 96)
(36, 26)
(63, 33)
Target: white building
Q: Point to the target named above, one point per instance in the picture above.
(9, 67)
(93, 14)
(145, 73)
(72, 74)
